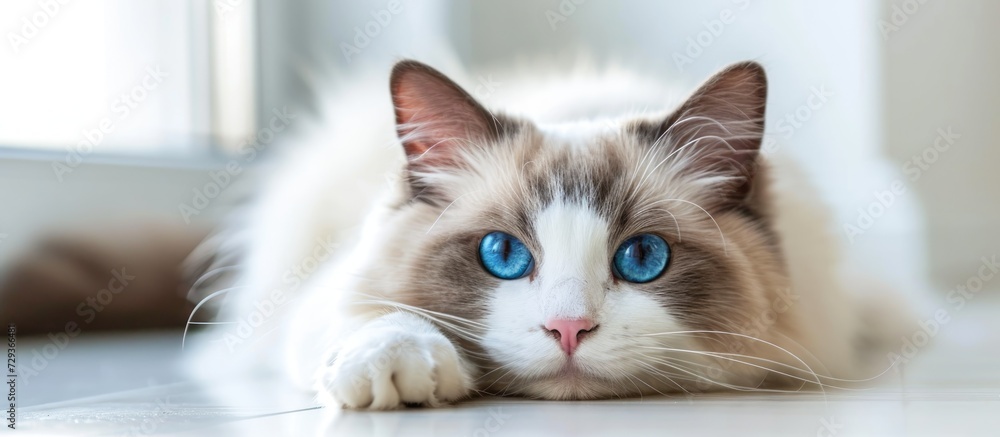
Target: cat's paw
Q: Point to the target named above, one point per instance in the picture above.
(390, 366)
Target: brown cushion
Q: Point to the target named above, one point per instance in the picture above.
(113, 278)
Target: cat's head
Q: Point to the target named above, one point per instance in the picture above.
(590, 259)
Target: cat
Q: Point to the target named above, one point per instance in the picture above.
(473, 252)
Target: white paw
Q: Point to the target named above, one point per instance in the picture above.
(388, 365)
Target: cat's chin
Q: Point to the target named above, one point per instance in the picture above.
(565, 378)
(571, 385)
(569, 382)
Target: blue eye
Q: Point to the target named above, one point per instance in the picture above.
(641, 258)
(504, 256)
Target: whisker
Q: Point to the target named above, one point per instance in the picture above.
(722, 384)
(195, 310)
(444, 211)
(789, 366)
(204, 277)
(724, 356)
(423, 310)
(654, 374)
(725, 247)
(796, 357)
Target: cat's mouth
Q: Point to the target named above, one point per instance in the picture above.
(570, 370)
(573, 371)
(571, 381)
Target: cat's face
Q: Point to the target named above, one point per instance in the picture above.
(587, 260)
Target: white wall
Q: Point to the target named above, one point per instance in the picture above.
(33, 202)
(942, 68)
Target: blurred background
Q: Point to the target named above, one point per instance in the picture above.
(116, 116)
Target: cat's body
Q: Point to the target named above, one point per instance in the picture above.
(362, 276)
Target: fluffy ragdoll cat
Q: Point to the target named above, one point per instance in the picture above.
(613, 256)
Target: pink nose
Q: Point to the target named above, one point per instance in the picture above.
(569, 332)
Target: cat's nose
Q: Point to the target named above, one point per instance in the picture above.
(569, 332)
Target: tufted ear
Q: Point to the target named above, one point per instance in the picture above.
(718, 131)
(435, 117)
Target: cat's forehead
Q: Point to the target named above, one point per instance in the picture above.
(579, 162)
(611, 169)
(578, 134)
(586, 165)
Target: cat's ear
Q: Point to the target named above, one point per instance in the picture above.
(718, 131)
(434, 116)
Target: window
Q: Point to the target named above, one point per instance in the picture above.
(132, 77)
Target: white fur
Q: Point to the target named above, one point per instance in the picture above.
(571, 287)
(401, 358)
(332, 179)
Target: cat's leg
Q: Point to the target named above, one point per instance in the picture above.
(396, 359)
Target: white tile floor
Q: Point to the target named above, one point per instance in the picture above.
(131, 385)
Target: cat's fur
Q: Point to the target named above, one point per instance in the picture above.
(381, 301)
